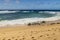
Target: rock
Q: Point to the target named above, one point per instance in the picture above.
(29, 24)
(43, 22)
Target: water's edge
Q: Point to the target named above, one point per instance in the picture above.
(25, 17)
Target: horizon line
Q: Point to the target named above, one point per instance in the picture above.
(29, 10)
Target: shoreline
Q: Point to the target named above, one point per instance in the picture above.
(33, 23)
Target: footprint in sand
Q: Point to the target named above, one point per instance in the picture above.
(48, 30)
(33, 38)
(13, 37)
(16, 39)
(41, 35)
(47, 34)
(53, 34)
(22, 39)
(54, 29)
(3, 39)
(55, 39)
(9, 39)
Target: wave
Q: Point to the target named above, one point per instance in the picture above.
(49, 12)
(4, 12)
(7, 12)
(27, 20)
(25, 11)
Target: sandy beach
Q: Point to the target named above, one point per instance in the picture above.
(33, 32)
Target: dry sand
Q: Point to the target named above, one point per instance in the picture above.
(35, 32)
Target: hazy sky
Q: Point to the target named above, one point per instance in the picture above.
(29, 4)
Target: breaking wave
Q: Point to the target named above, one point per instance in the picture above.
(32, 19)
(2, 12)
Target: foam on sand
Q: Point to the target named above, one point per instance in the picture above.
(26, 21)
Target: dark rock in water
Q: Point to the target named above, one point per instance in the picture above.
(38, 23)
(52, 23)
(35, 23)
(58, 23)
(43, 22)
(29, 24)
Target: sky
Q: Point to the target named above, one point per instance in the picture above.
(30, 4)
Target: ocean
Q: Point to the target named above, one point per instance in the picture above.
(25, 17)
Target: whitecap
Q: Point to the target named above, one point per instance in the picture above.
(2, 12)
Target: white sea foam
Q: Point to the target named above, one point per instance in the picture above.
(25, 11)
(7, 12)
(49, 12)
(27, 20)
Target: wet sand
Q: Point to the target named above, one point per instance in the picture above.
(34, 32)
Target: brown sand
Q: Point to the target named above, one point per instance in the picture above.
(35, 32)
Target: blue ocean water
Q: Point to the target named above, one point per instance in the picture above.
(10, 15)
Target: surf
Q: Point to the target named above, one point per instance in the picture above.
(2, 12)
(23, 18)
(26, 21)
